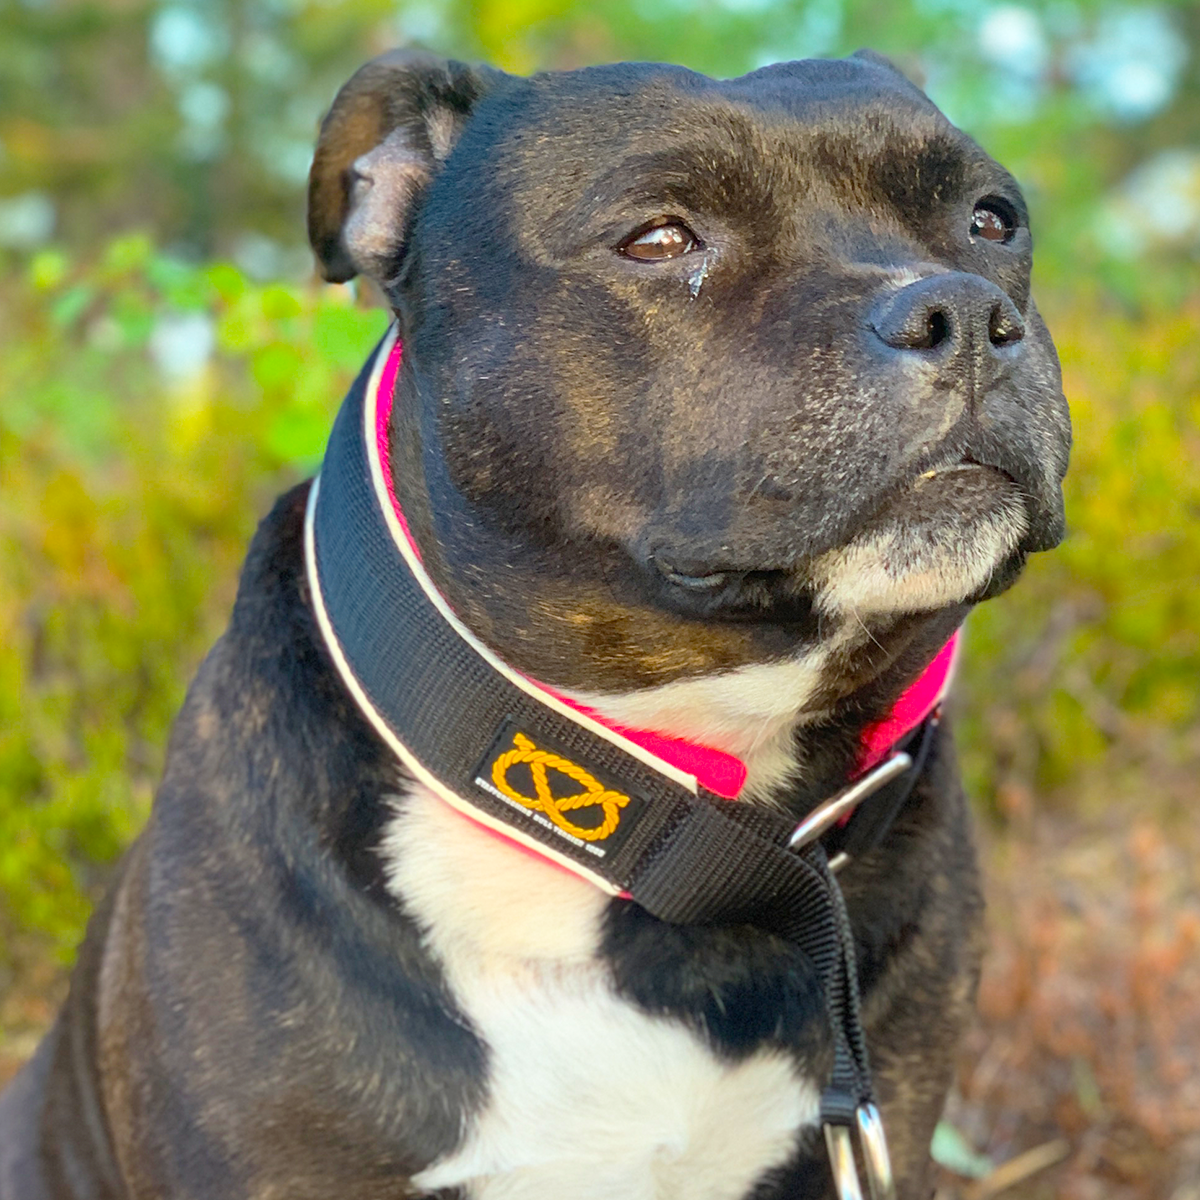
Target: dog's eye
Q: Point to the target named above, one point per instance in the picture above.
(994, 220)
(660, 242)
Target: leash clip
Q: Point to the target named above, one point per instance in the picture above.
(831, 811)
(881, 1184)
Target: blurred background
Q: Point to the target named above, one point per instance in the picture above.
(168, 364)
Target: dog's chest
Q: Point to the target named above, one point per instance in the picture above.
(586, 1096)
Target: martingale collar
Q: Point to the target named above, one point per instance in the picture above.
(639, 815)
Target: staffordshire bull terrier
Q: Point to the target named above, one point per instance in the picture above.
(494, 853)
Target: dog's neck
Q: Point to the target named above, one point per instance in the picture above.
(765, 720)
(771, 732)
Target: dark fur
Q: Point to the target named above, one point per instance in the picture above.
(252, 1013)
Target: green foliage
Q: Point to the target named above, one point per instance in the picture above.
(1084, 679)
(126, 502)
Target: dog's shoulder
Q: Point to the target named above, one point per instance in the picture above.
(262, 1008)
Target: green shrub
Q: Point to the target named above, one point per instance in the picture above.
(125, 506)
(1084, 681)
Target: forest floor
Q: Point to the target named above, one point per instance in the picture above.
(1081, 1077)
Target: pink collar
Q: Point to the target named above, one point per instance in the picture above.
(725, 774)
(722, 773)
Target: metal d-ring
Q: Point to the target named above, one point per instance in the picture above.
(875, 1153)
(840, 1147)
(845, 802)
(839, 1143)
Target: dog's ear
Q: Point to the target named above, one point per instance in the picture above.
(390, 128)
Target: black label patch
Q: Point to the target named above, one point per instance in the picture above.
(533, 776)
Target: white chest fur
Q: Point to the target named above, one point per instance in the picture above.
(587, 1097)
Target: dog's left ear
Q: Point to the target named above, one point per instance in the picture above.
(390, 128)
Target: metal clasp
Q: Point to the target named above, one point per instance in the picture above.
(839, 1143)
(830, 811)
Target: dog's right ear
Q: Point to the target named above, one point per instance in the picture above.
(390, 128)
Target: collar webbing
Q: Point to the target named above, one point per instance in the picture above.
(451, 710)
(714, 769)
(461, 719)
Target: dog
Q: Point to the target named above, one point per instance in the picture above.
(717, 406)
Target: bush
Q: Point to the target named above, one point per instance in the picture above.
(127, 502)
(1083, 681)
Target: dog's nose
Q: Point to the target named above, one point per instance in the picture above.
(962, 321)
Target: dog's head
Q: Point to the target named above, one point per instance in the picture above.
(699, 374)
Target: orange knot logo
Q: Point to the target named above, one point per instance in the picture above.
(540, 763)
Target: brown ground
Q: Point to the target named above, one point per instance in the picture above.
(1081, 1079)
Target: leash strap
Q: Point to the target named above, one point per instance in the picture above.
(520, 761)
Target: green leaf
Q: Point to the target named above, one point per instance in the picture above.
(228, 282)
(182, 284)
(298, 438)
(48, 269)
(129, 253)
(952, 1151)
(70, 306)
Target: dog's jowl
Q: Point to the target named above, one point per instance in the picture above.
(708, 411)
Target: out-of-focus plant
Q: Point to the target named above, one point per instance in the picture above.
(150, 409)
(1085, 680)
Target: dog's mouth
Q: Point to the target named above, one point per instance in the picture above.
(962, 488)
(730, 593)
(966, 467)
(992, 475)
(953, 532)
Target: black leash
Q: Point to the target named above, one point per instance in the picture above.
(519, 761)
